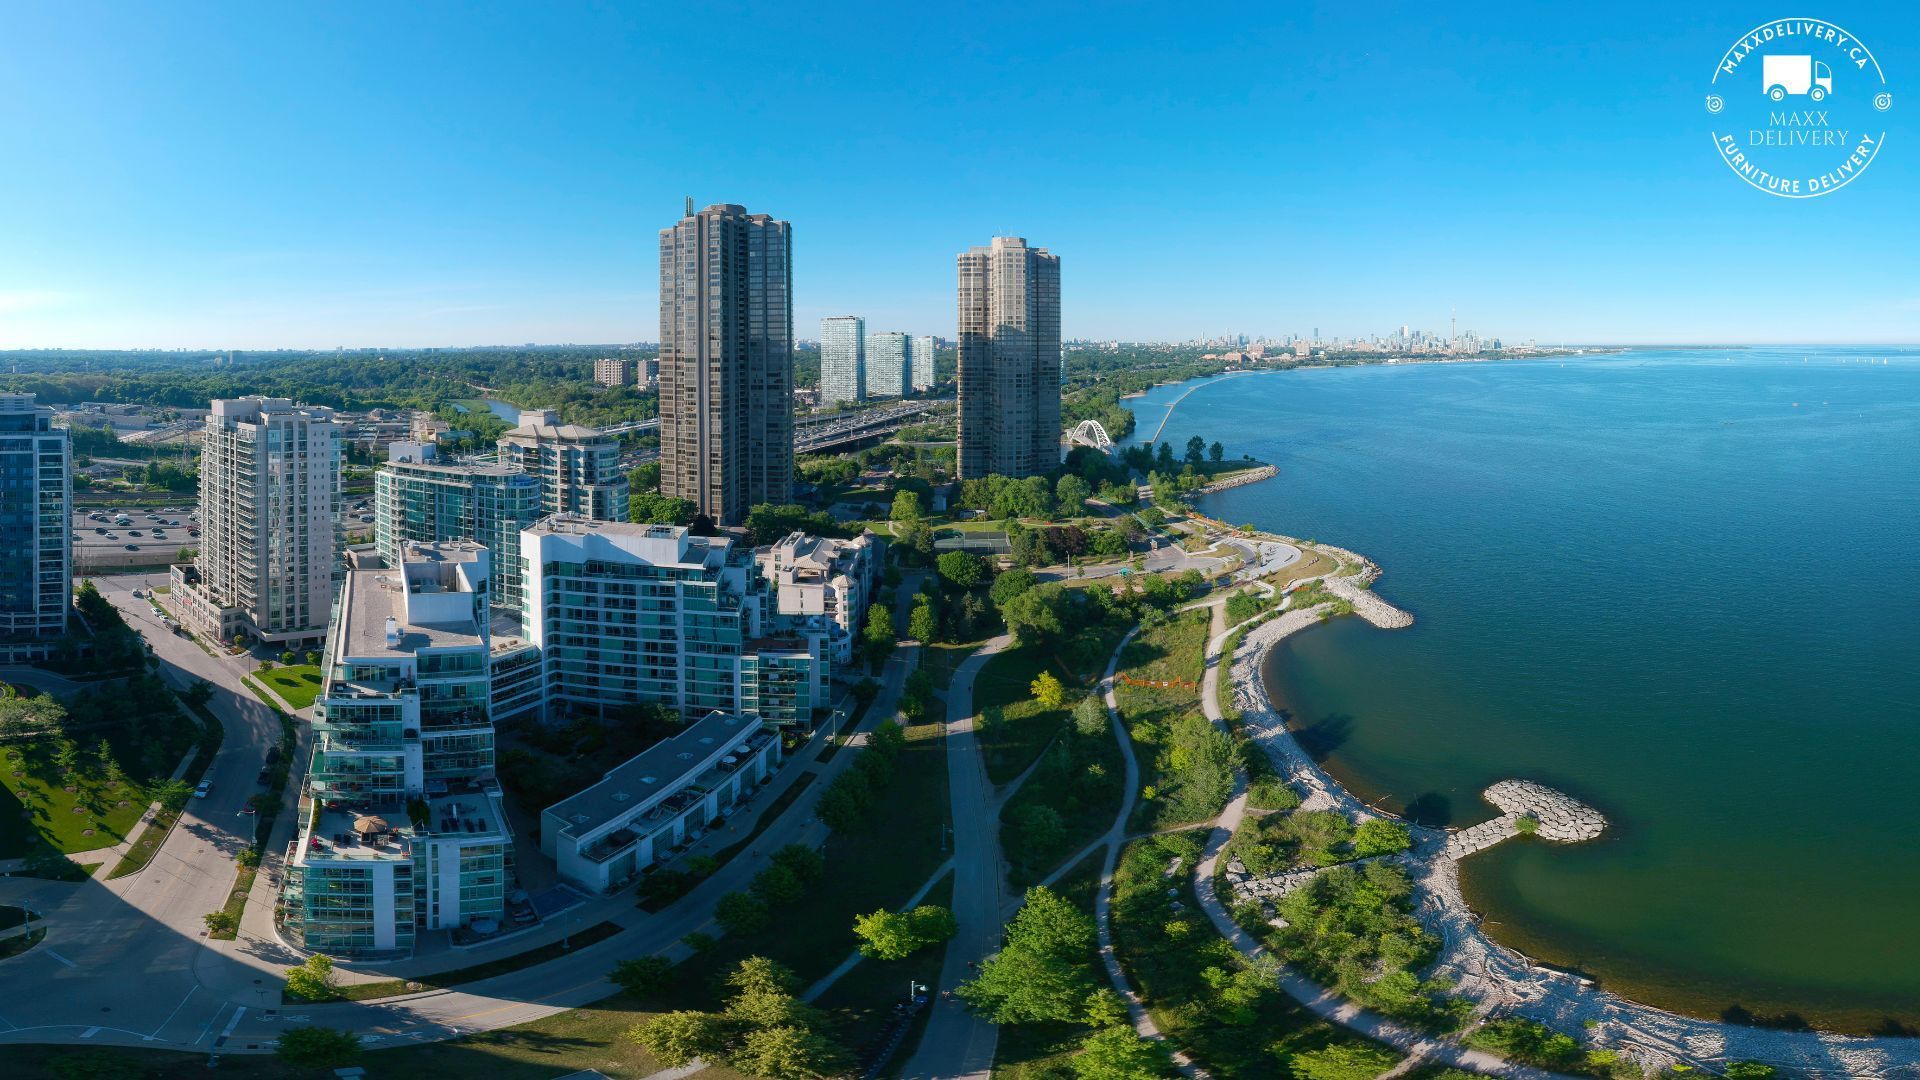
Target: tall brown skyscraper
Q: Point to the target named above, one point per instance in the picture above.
(1009, 359)
(726, 361)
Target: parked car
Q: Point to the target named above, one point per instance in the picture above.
(520, 908)
(201, 789)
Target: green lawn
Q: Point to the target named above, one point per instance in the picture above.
(940, 660)
(1171, 653)
(299, 684)
(1080, 779)
(87, 811)
(1023, 727)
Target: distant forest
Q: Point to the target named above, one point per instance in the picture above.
(532, 377)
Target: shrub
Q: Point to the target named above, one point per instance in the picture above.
(1272, 793)
(318, 1047)
(803, 862)
(313, 980)
(1378, 836)
(645, 975)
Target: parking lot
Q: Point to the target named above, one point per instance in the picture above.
(112, 537)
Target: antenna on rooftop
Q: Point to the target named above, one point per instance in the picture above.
(689, 206)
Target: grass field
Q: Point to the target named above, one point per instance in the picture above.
(1024, 727)
(298, 684)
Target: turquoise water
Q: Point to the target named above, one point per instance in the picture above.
(1680, 584)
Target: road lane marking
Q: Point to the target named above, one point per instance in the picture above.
(176, 1012)
(62, 959)
(90, 1033)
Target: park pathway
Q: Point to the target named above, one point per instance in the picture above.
(957, 1043)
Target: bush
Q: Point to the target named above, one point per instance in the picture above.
(1343, 1061)
(1378, 836)
(1272, 793)
(806, 864)
(313, 980)
(318, 1047)
(1527, 1042)
(777, 886)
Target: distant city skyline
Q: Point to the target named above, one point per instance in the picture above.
(366, 192)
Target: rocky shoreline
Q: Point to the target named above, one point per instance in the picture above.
(1494, 976)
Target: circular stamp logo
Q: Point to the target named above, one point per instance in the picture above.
(1798, 108)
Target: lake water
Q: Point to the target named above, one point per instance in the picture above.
(1682, 585)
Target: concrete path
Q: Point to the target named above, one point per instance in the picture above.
(957, 1043)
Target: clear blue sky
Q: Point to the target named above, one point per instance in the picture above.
(245, 175)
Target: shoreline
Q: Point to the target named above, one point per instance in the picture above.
(1497, 976)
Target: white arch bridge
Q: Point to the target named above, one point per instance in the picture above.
(1090, 433)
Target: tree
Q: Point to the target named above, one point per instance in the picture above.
(318, 1047)
(777, 886)
(1163, 457)
(1036, 616)
(1040, 827)
(806, 864)
(645, 975)
(1090, 716)
(652, 508)
(66, 756)
(1196, 450)
(789, 1052)
(889, 738)
(1073, 493)
(221, 922)
(313, 980)
(879, 637)
(1011, 584)
(894, 935)
(906, 506)
(287, 658)
(1116, 1053)
(676, 1038)
(922, 624)
(1216, 453)
(1048, 690)
(1378, 836)
(741, 913)
(313, 657)
(961, 570)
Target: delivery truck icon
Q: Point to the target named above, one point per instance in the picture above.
(1783, 75)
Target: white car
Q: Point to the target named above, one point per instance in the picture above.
(201, 789)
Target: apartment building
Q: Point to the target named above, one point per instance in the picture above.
(578, 467)
(36, 535)
(843, 360)
(615, 371)
(625, 613)
(417, 499)
(821, 582)
(658, 802)
(269, 519)
(922, 364)
(403, 830)
(889, 364)
(726, 361)
(1009, 317)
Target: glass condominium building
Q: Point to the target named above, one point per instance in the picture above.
(633, 613)
(36, 500)
(402, 827)
(843, 359)
(889, 364)
(417, 499)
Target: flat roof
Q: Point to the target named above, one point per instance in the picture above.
(369, 598)
(658, 770)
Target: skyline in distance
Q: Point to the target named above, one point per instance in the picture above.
(213, 177)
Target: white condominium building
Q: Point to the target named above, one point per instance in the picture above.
(269, 513)
(843, 359)
(922, 363)
(658, 802)
(822, 582)
(578, 467)
(625, 613)
(405, 830)
(889, 364)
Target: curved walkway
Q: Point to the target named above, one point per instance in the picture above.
(958, 1043)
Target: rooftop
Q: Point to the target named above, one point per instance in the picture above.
(374, 604)
(660, 769)
(545, 424)
(370, 832)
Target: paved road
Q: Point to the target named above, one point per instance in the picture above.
(125, 962)
(958, 1043)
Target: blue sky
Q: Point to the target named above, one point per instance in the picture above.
(253, 176)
